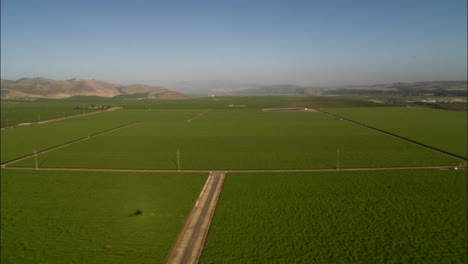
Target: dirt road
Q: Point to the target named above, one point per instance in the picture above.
(66, 144)
(61, 118)
(196, 116)
(245, 171)
(189, 245)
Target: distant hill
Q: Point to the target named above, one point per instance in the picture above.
(282, 89)
(211, 87)
(30, 88)
(437, 88)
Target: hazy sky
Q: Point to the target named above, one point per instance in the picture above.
(300, 42)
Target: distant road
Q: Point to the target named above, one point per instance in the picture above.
(189, 245)
(60, 118)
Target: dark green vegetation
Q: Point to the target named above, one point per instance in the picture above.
(85, 217)
(446, 130)
(238, 139)
(15, 113)
(340, 217)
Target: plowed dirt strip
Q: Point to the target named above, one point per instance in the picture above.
(189, 245)
(465, 161)
(62, 118)
(67, 144)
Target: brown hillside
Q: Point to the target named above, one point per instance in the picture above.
(56, 89)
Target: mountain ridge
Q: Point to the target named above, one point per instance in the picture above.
(39, 87)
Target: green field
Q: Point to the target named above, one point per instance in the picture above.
(15, 113)
(21, 141)
(443, 129)
(340, 217)
(238, 139)
(404, 216)
(83, 217)
(222, 102)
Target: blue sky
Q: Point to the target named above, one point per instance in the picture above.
(300, 42)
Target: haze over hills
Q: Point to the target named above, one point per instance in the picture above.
(434, 87)
(212, 86)
(437, 88)
(30, 88)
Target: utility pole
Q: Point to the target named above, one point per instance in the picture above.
(178, 161)
(338, 160)
(35, 156)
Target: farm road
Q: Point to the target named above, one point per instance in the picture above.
(245, 171)
(465, 161)
(189, 245)
(196, 116)
(61, 118)
(67, 144)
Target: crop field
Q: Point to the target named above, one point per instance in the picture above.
(445, 130)
(223, 102)
(14, 113)
(414, 216)
(21, 141)
(238, 139)
(385, 216)
(86, 217)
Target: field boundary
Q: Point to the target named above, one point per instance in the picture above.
(67, 144)
(446, 153)
(60, 118)
(242, 171)
(189, 245)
